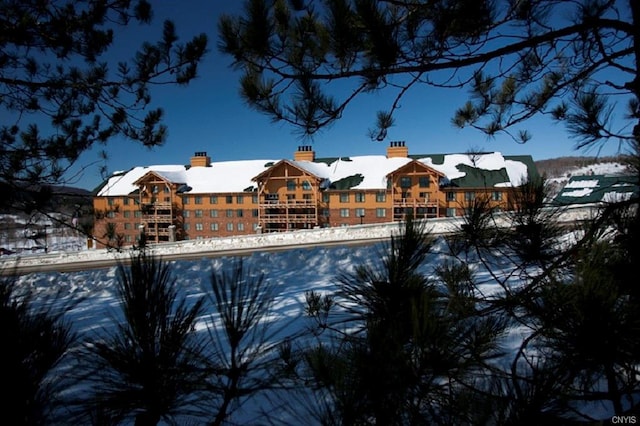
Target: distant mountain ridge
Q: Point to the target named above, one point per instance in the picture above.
(562, 166)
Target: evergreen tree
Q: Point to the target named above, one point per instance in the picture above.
(61, 94)
(304, 62)
(407, 346)
(153, 365)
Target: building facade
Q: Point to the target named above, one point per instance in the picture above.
(217, 199)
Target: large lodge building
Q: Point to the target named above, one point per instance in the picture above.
(216, 199)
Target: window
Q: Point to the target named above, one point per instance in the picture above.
(128, 238)
(229, 213)
(325, 197)
(291, 185)
(405, 182)
(185, 200)
(381, 212)
(451, 212)
(291, 197)
(424, 195)
(213, 199)
(137, 213)
(165, 189)
(271, 197)
(240, 199)
(186, 213)
(240, 213)
(359, 212)
(405, 194)
(213, 213)
(125, 201)
(126, 213)
(229, 199)
(197, 199)
(111, 214)
(381, 197)
(344, 197)
(307, 197)
(254, 213)
(214, 226)
(359, 197)
(344, 212)
(199, 227)
(128, 226)
(186, 226)
(451, 196)
(423, 181)
(198, 213)
(496, 196)
(254, 199)
(111, 201)
(324, 212)
(241, 227)
(306, 185)
(469, 196)
(229, 226)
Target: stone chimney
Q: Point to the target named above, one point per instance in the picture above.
(200, 159)
(397, 149)
(304, 153)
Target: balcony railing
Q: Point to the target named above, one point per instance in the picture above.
(159, 218)
(283, 218)
(414, 202)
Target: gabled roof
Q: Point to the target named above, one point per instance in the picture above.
(167, 176)
(419, 164)
(223, 176)
(359, 172)
(296, 164)
(598, 188)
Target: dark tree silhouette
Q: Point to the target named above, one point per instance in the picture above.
(304, 62)
(62, 91)
(35, 339)
(153, 365)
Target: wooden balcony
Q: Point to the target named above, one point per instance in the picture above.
(290, 218)
(158, 218)
(414, 202)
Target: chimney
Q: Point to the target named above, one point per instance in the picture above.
(304, 153)
(200, 159)
(397, 149)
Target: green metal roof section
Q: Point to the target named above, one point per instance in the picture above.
(479, 178)
(598, 188)
(331, 160)
(347, 182)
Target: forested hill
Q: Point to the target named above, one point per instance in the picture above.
(560, 166)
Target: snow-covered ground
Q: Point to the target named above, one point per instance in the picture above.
(293, 272)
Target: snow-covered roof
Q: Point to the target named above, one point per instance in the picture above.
(222, 176)
(236, 176)
(595, 189)
(373, 168)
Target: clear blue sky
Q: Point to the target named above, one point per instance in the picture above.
(208, 115)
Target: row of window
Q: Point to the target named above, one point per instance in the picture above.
(214, 199)
(344, 197)
(215, 226)
(218, 213)
(407, 182)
